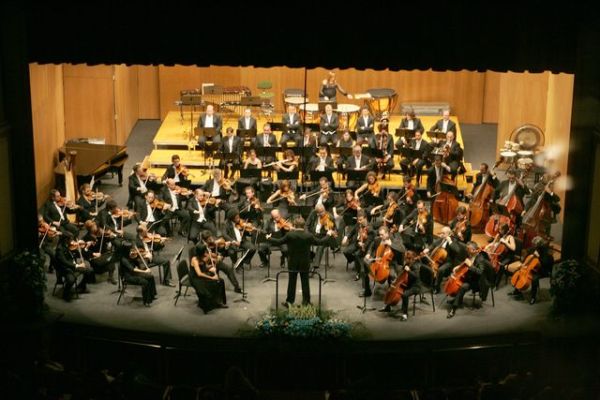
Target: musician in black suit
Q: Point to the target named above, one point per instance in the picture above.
(89, 207)
(461, 226)
(291, 122)
(210, 120)
(357, 242)
(457, 252)
(170, 195)
(233, 145)
(506, 189)
(410, 121)
(395, 244)
(110, 218)
(215, 185)
(545, 188)
(478, 263)
(415, 233)
(135, 272)
(56, 215)
(139, 183)
(435, 178)
(357, 162)
(383, 141)
(151, 215)
(414, 166)
(239, 237)
(70, 265)
(444, 124)
(265, 139)
(176, 172)
(152, 259)
(328, 125)
(272, 227)
(321, 195)
(321, 161)
(485, 174)
(365, 126)
(412, 268)
(247, 121)
(250, 207)
(313, 225)
(452, 153)
(299, 242)
(202, 214)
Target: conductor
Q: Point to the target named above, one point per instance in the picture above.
(299, 242)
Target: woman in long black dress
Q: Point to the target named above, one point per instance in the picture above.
(204, 277)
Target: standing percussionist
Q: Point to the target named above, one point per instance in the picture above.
(210, 120)
(329, 88)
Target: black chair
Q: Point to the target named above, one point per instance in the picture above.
(122, 284)
(60, 281)
(488, 278)
(183, 277)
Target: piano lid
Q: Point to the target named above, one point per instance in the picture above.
(93, 157)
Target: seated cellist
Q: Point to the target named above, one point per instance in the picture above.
(412, 283)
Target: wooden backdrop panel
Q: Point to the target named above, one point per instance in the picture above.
(126, 101)
(148, 92)
(47, 107)
(491, 97)
(89, 102)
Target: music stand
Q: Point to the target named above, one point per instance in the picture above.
(209, 150)
(277, 126)
(304, 211)
(407, 133)
(411, 153)
(313, 126)
(341, 151)
(292, 175)
(373, 152)
(250, 173)
(246, 134)
(235, 267)
(436, 135)
(315, 176)
(209, 133)
(356, 176)
(265, 152)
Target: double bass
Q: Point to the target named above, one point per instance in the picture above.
(522, 278)
(513, 205)
(380, 268)
(445, 203)
(479, 207)
(538, 218)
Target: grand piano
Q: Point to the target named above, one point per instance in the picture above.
(92, 160)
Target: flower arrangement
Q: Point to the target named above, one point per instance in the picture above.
(566, 287)
(25, 285)
(305, 321)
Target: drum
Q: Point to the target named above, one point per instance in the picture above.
(348, 115)
(381, 100)
(508, 155)
(525, 163)
(310, 112)
(515, 147)
(295, 100)
(525, 153)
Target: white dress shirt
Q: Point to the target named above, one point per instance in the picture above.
(411, 124)
(445, 125)
(201, 217)
(150, 216)
(62, 216)
(216, 191)
(247, 122)
(209, 121)
(174, 205)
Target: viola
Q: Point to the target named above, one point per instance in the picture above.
(396, 290)
(380, 268)
(283, 224)
(326, 222)
(521, 279)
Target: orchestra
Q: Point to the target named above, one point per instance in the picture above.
(390, 235)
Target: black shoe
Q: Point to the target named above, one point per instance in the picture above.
(532, 301)
(168, 283)
(285, 304)
(335, 251)
(147, 304)
(514, 293)
(451, 313)
(387, 308)
(436, 291)
(356, 277)
(365, 294)
(237, 290)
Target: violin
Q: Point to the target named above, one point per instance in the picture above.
(153, 238)
(389, 213)
(183, 191)
(283, 224)
(77, 244)
(93, 196)
(422, 219)
(374, 188)
(225, 184)
(117, 212)
(246, 226)
(288, 195)
(460, 227)
(182, 170)
(157, 204)
(209, 200)
(521, 279)
(65, 203)
(409, 194)
(217, 243)
(326, 222)
(46, 229)
(380, 268)
(136, 252)
(255, 202)
(363, 234)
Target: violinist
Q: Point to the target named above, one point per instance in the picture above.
(322, 195)
(417, 227)
(54, 212)
(319, 223)
(151, 213)
(383, 142)
(139, 181)
(70, 264)
(328, 125)
(250, 207)
(146, 244)
(202, 214)
(115, 219)
(134, 271)
(217, 186)
(451, 152)
(408, 196)
(283, 197)
(456, 251)
(48, 236)
(389, 213)
(218, 247)
(384, 239)
(412, 166)
(99, 252)
(345, 212)
(541, 250)
(411, 282)
(89, 203)
(205, 279)
(241, 234)
(232, 145)
(177, 172)
(461, 226)
(276, 227)
(478, 263)
(176, 210)
(370, 190)
(357, 242)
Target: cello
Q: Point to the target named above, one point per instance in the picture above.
(436, 258)
(380, 268)
(495, 251)
(456, 280)
(479, 207)
(445, 204)
(396, 290)
(513, 205)
(521, 279)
